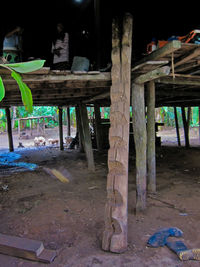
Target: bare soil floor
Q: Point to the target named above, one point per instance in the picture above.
(69, 217)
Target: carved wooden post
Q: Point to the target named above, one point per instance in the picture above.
(61, 128)
(115, 234)
(140, 138)
(9, 130)
(151, 149)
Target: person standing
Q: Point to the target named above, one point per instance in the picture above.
(60, 49)
(12, 45)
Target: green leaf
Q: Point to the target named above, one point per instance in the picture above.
(24, 67)
(2, 89)
(25, 92)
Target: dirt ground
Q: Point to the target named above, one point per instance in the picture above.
(69, 217)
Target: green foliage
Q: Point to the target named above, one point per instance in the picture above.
(23, 67)
(2, 89)
(25, 92)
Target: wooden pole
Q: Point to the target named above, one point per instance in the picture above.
(199, 124)
(151, 149)
(177, 127)
(9, 129)
(115, 233)
(87, 137)
(185, 127)
(68, 122)
(79, 129)
(140, 138)
(98, 126)
(61, 128)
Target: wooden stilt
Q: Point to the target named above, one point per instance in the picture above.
(9, 129)
(177, 127)
(61, 128)
(68, 122)
(98, 126)
(115, 233)
(140, 138)
(186, 126)
(79, 129)
(199, 124)
(87, 137)
(151, 149)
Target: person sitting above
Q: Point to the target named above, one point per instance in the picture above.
(12, 45)
(60, 49)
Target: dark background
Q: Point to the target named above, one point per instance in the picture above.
(150, 19)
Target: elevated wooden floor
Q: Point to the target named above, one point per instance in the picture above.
(62, 88)
(58, 88)
(181, 86)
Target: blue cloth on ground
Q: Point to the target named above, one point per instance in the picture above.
(176, 246)
(159, 239)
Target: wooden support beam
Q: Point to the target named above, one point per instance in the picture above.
(116, 215)
(152, 75)
(79, 129)
(98, 126)
(87, 137)
(177, 127)
(180, 79)
(187, 57)
(161, 52)
(9, 130)
(68, 122)
(60, 114)
(186, 125)
(151, 134)
(140, 138)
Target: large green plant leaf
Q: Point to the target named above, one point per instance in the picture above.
(25, 92)
(24, 67)
(2, 89)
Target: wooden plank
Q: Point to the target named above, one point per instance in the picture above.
(140, 138)
(180, 79)
(151, 134)
(160, 53)
(115, 233)
(25, 248)
(187, 57)
(152, 75)
(150, 64)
